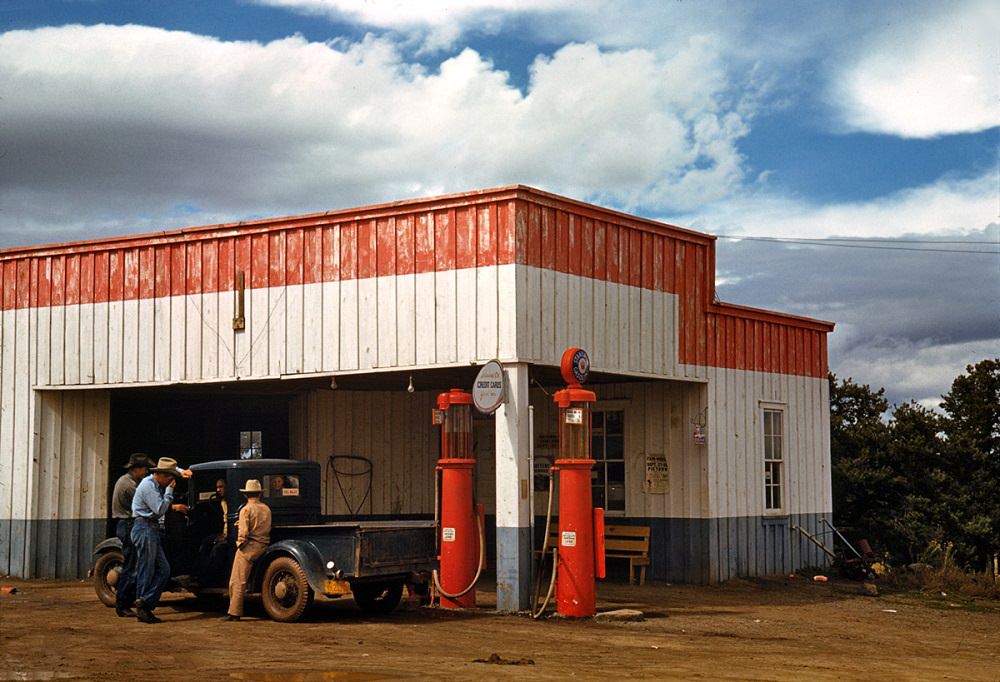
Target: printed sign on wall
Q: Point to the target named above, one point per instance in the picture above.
(657, 475)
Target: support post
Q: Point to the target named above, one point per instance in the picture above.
(513, 492)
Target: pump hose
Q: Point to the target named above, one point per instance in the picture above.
(479, 570)
(541, 558)
(482, 545)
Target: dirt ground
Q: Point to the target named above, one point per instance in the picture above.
(776, 629)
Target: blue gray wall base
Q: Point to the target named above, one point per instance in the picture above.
(681, 550)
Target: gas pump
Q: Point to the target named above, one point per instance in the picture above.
(461, 522)
(580, 552)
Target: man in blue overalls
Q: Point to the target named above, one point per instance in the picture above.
(153, 497)
(121, 511)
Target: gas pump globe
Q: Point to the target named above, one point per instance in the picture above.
(581, 526)
(461, 536)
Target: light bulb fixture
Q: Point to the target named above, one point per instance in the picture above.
(409, 389)
(333, 383)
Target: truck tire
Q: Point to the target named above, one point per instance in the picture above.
(285, 593)
(377, 599)
(107, 569)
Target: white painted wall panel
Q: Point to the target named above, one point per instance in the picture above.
(312, 328)
(426, 315)
(368, 336)
(736, 441)
(294, 339)
(349, 325)
(446, 315)
(276, 334)
(331, 326)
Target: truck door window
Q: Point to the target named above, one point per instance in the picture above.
(281, 485)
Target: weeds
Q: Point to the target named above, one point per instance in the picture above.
(938, 571)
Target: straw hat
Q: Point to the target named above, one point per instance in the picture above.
(253, 486)
(167, 465)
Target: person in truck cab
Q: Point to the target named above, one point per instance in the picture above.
(253, 538)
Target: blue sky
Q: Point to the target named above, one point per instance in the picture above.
(875, 121)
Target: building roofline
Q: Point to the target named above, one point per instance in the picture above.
(440, 202)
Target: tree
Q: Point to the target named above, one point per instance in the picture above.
(858, 438)
(972, 429)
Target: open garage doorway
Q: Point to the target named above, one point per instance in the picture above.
(197, 425)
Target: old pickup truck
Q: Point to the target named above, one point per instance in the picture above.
(371, 560)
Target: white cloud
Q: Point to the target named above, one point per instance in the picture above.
(131, 125)
(925, 75)
(944, 206)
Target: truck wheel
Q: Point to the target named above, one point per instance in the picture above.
(107, 569)
(377, 599)
(286, 593)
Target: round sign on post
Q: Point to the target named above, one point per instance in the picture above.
(490, 387)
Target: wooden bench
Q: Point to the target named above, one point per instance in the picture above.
(628, 542)
(620, 542)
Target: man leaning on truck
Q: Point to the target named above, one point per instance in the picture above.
(253, 538)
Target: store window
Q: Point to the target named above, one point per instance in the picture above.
(608, 449)
(774, 460)
(251, 445)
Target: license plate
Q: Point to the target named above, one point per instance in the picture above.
(336, 587)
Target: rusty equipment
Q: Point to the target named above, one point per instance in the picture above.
(857, 567)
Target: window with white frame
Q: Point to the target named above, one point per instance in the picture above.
(774, 460)
(608, 449)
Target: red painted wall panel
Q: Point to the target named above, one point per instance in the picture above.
(424, 244)
(294, 265)
(405, 250)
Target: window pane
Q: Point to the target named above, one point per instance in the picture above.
(615, 422)
(597, 447)
(615, 447)
(598, 492)
(597, 419)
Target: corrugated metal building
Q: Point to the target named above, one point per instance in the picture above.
(127, 344)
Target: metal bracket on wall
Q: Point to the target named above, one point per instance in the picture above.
(239, 320)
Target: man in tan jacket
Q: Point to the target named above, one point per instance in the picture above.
(253, 538)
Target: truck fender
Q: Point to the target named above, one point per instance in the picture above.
(107, 545)
(304, 552)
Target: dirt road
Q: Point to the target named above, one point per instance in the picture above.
(770, 629)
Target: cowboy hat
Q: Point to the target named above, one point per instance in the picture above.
(167, 465)
(253, 486)
(137, 460)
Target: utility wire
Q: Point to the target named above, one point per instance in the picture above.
(833, 242)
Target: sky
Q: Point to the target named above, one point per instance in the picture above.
(778, 126)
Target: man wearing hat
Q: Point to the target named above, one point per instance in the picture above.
(253, 538)
(153, 497)
(121, 511)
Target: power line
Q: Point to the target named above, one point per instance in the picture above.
(834, 242)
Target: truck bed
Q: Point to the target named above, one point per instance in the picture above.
(363, 549)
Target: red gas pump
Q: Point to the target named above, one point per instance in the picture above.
(461, 523)
(581, 525)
